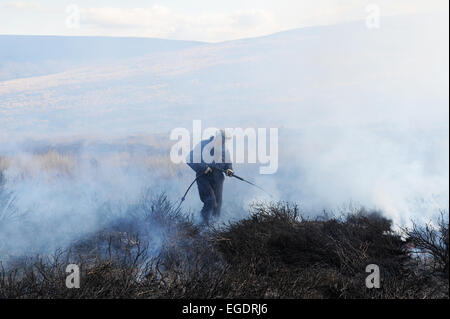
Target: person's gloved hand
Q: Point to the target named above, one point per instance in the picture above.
(229, 172)
(208, 170)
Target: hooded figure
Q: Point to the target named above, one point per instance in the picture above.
(210, 160)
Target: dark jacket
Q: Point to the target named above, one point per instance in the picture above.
(199, 168)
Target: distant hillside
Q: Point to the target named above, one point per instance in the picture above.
(313, 75)
(363, 113)
(24, 56)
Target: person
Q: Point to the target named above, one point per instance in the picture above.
(210, 173)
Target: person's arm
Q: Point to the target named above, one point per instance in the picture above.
(226, 165)
(197, 167)
(229, 169)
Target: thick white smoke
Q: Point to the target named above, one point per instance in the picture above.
(47, 205)
(362, 116)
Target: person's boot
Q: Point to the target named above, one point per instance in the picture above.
(205, 217)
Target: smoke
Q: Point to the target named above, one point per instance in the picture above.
(48, 201)
(403, 173)
(362, 117)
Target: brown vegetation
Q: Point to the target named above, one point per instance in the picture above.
(274, 253)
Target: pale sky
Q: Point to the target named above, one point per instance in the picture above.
(201, 20)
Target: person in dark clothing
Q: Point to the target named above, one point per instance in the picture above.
(210, 173)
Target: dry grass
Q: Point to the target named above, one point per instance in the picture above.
(162, 164)
(5, 162)
(275, 253)
(53, 161)
(31, 165)
(431, 242)
(66, 164)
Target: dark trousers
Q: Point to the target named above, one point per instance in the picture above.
(210, 190)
